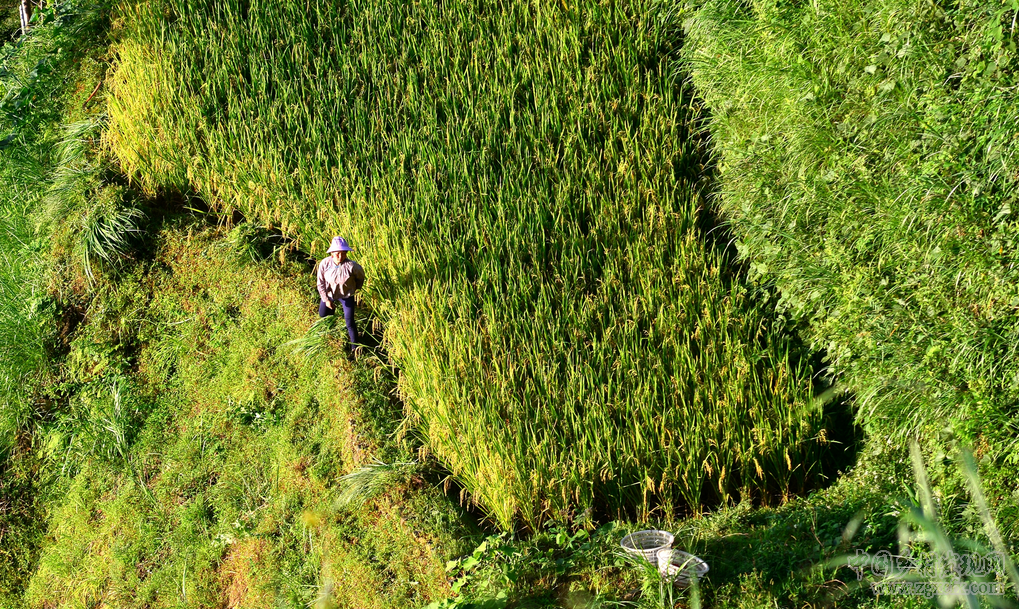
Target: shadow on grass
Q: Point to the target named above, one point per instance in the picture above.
(384, 415)
(844, 438)
(780, 552)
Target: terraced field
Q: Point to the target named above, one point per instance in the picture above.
(524, 184)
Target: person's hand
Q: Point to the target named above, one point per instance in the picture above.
(329, 304)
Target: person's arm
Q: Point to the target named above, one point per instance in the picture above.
(323, 287)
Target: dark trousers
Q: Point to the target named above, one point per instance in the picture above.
(348, 316)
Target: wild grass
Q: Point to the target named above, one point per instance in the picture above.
(87, 213)
(793, 555)
(23, 332)
(74, 163)
(319, 343)
(32, 73)
(952, 572)
(22, 302)
(40, 74)
(868, 166)
(196, 461)
(100, 425)
(523, 183)
(364, 482)
(105, 230)
(254, 244)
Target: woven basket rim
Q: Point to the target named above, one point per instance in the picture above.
(694, 563)
(662, 539)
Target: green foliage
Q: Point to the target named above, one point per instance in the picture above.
(365, 482)
(100, 424)
(25, 312)
(319, 342)
(196, 459)
(33, 68)
(106, 230)
(23, 306)
(94, 217)
(73, 167)
(522, 182)
(658, 591)
(34, 74)
(868, 165)
(10, 25)
(254, 243)
(933, 558)
(758, 557)
(21, 513)
(506, 572)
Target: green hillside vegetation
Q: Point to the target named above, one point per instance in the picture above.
(31, 96)
(169, 442)
(867, 160)
(561, 334)
(523, 183)
(22, 353)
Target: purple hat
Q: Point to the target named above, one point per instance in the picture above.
(339, 244)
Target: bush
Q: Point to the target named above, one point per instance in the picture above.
(868, 166)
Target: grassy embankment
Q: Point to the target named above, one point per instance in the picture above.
(523, 184)
(199, 456)
(867, 156)
(29, 70)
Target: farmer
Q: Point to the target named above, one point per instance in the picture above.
(338, 278)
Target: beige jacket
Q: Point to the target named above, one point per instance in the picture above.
(336, 281)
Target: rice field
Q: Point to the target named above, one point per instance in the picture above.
(522, 182)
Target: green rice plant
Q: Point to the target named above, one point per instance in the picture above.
(253, 243)
(317, 344)
(523, 183)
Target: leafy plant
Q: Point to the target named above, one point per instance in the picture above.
(32, 67)
(930, 562)
(866, 172)
(106, 230)
(100, 425)
(504, 570)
